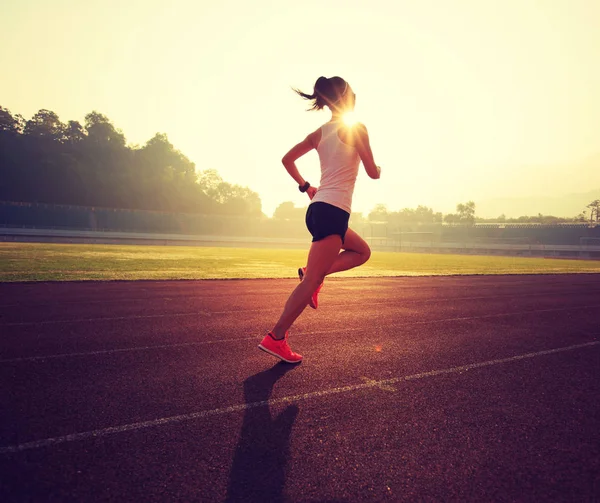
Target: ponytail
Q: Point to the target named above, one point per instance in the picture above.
(327, 92)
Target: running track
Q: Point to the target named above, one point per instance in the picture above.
(412, 389)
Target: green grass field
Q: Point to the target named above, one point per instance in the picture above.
(67, 262)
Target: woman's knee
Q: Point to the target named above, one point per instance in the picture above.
(366, 254)
(313, 279)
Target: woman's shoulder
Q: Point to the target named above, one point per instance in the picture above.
(352, 133)
(315, 137)
(359, 128)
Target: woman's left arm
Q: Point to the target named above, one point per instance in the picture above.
(289, 159)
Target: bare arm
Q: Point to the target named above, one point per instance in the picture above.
(289, 159)
(363, 147)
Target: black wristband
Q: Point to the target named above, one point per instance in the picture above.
(304, 188)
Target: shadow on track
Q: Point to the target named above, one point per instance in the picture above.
(259, 462)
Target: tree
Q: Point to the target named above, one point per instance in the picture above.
(452, 218)
(211, 184)
(160, 156)
(243, 201)
(594, 207)
(45, 124)
(44, 160)
(11, 123)
(101, 130)
(379, 213)
(357, 219)
(466, 213)
(288, 211)
(169, 177)
(74, 132)
(234, 199)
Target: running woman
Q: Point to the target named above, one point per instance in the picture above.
(340, 148)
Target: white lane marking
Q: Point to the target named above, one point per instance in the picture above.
(295, 398)
(205, 298)
(467, 318)
(212, 313)
(312, 332)
(378, 384)
(122, 350)
(136, 317)
(168, 298)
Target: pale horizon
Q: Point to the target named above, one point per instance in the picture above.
(468, 100)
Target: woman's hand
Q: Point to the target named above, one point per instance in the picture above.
(311, 191)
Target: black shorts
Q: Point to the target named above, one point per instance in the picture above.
(323, 219)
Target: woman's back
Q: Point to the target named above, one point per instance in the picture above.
(339, 168)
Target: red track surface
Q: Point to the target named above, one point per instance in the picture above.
(155, 391)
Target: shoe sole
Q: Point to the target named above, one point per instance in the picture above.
(260, 346)
(301, 276)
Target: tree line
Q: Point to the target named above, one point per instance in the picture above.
(47, 161)
(422, 215)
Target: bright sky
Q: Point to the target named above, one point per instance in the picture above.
(463, 99)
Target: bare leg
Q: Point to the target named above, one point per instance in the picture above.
(322, 255)
(356, 252)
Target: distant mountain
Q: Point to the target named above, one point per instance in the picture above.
(568, 205)
(561, 190)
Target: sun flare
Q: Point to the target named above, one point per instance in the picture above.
(349, 118)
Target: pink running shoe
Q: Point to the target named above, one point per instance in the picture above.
(279, 348)
(314, 300)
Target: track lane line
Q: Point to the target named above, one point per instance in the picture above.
(202, 298)
(522, 279)
(257, 337)
(103, 432)
(260, 310)
(122, 350)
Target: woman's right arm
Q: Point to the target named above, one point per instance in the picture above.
(364, 151)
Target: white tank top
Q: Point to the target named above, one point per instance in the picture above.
(339, 169)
